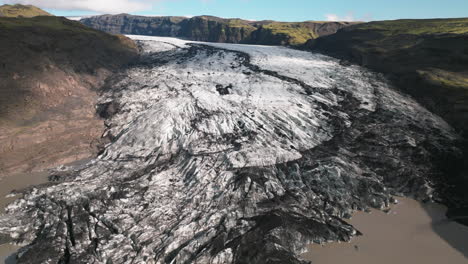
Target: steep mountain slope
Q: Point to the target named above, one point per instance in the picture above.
(426, 58)
(50, 70)
(21, 11)
(429, 59)
(233, 154)
(215, 29)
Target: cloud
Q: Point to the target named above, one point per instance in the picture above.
(335, 17)
(100, 6)
(348, 17)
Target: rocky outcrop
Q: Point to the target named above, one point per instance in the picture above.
(136, 25)
(51, 70)
(427, 59)
(215, 29)
(233, 154)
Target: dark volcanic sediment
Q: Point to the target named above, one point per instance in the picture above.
(215, 29)
(233, 154)
(427, 59)
(51, 70)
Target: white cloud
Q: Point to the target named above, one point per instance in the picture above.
(335, 17)
(101, 6)
(348, 17)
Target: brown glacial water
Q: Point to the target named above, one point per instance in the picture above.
(410, 233)
(9, 183)
(12, 182)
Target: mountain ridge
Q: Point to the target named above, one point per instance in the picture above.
(216, 29)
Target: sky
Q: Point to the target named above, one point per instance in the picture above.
(281, 10)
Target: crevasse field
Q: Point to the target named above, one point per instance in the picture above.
(224, 153)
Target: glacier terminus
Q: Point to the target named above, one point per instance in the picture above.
(228, 153)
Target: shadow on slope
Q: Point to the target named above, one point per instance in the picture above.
(51, 69)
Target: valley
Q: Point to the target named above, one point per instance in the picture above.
(229, 153)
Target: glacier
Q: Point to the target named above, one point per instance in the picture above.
(229, 153)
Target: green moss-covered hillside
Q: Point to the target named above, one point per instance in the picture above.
(418, 26)
(427, 58)
(21, 11)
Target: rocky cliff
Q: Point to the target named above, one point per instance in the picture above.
(427, 59)
(136, 25)
(215, 29)
(50, 70)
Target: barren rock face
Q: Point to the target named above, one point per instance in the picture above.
(216, 29)
(54, 124)
(232, 154)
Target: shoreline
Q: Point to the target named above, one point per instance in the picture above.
(411, 232)
(8, 184)
(19, 181)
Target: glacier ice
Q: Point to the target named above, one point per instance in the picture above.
(226, 153)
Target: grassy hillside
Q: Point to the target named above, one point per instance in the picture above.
(427, 59)
(418, 26)
(21, 11)
(56, 33)
(291, 33)
(50, 70)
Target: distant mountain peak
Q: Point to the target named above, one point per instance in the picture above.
(19, 10)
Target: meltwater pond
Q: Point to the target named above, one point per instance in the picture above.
(411, 232)
(9, 183)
